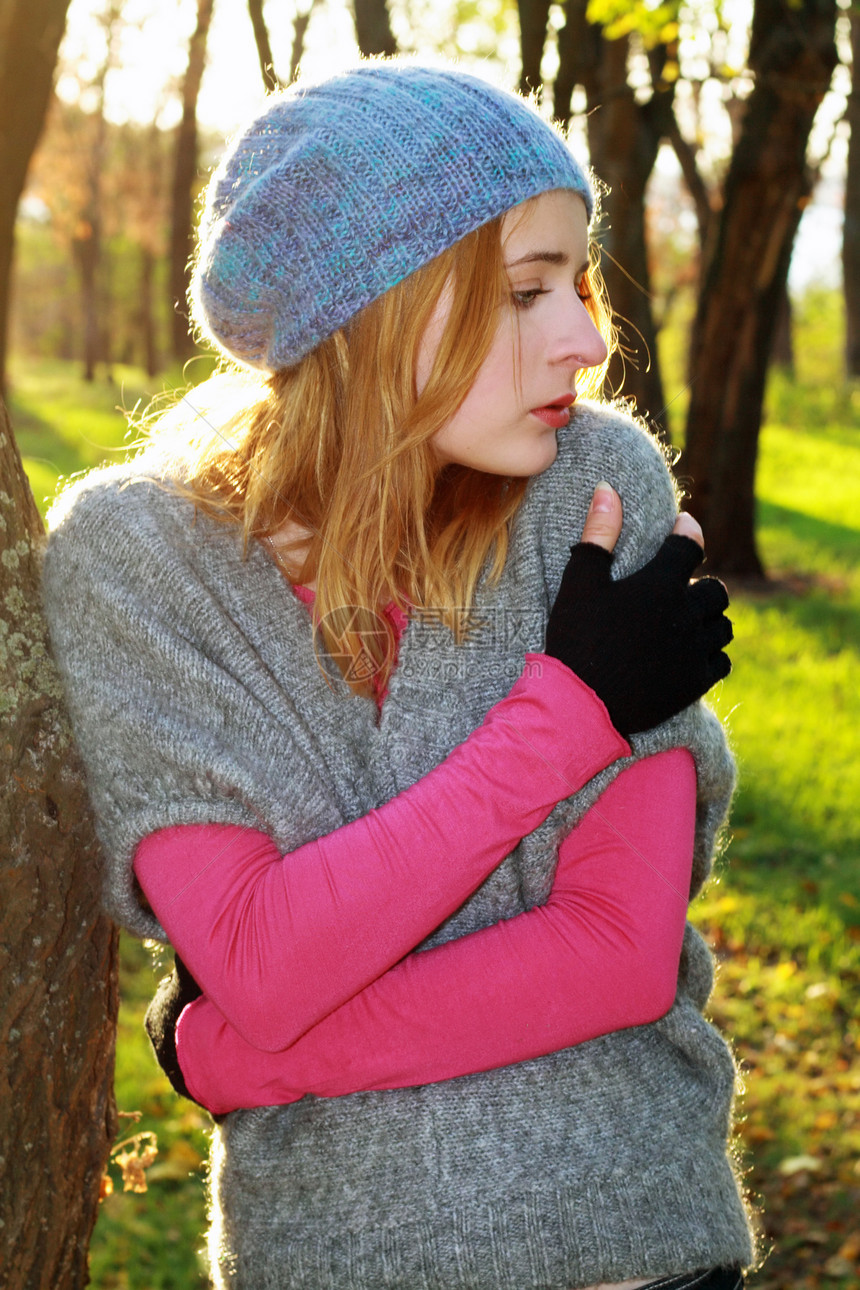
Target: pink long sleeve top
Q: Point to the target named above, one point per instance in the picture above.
(305, 960)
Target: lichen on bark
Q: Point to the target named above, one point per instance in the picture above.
(57, 949)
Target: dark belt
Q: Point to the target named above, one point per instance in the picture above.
(707, 1279)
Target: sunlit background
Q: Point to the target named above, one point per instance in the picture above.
(150, 53)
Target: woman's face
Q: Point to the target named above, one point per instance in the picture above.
(507, 423)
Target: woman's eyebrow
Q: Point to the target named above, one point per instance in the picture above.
(545, 257)
(548, 257)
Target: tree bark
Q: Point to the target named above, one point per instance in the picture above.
(373, 27)
(264, 46)
(792, 54)
(624, 138)
(851, 233)
(30, 35)
(534, 16)
(782, 345)
(182, 193)
(57, 951)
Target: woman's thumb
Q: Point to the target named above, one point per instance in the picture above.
(605, 514)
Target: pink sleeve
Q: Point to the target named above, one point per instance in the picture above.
(279, 943)
(601, 955)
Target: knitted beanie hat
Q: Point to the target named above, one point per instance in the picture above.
(342, 188)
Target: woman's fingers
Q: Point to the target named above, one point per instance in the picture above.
(686, 526)
(603, 524)
(681, 555)
(710, 597)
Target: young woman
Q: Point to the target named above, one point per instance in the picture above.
(415, 782)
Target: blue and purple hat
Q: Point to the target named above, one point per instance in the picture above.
(344, 187)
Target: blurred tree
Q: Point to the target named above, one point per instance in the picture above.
(304, 13)
(87, 240)
(792, 56)
(136, 218)
(626, 126)
(30, 35)
(58, 953)
(373, 27)
(703, 198)
(851, 235)
(133, 176)
(300, 27)
(707, 193)
(534, 21)
(264, 46)
(782, 345)
(710, 71)
(624, 57)
(184, 187)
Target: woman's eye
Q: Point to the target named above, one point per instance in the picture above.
(583, 288)
(526, 297)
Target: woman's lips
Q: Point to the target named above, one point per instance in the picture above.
(555, 414)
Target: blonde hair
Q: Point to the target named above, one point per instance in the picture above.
(341, 444)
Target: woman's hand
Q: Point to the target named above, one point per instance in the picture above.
(603, 522)
(651, 643)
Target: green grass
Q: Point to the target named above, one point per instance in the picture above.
(783, 913)
(64, 425)
(151, 1240)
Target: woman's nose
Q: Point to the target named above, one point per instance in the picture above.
(580, 341)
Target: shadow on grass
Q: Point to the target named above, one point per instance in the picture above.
(791, 871)
(797, 528)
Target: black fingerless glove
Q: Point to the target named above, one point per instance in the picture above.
(649, 644)
(173, 993)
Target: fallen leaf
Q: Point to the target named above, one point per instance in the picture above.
(836, 1266)
(796, 1164)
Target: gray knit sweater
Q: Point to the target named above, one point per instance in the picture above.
(196, 697)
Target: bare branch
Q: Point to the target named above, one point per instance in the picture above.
(300, 28)
(264, 46)
(696, 186)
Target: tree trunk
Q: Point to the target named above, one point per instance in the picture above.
(624, 137)
(851, 234)
(264, 45)
(534, 16)
(85, 248)
(792, 55)
(87, 243)
(106, 329)
(30, 35)
(147, 311)
(184, 178)
(373, 27)
(782, 346)
(57, 951)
